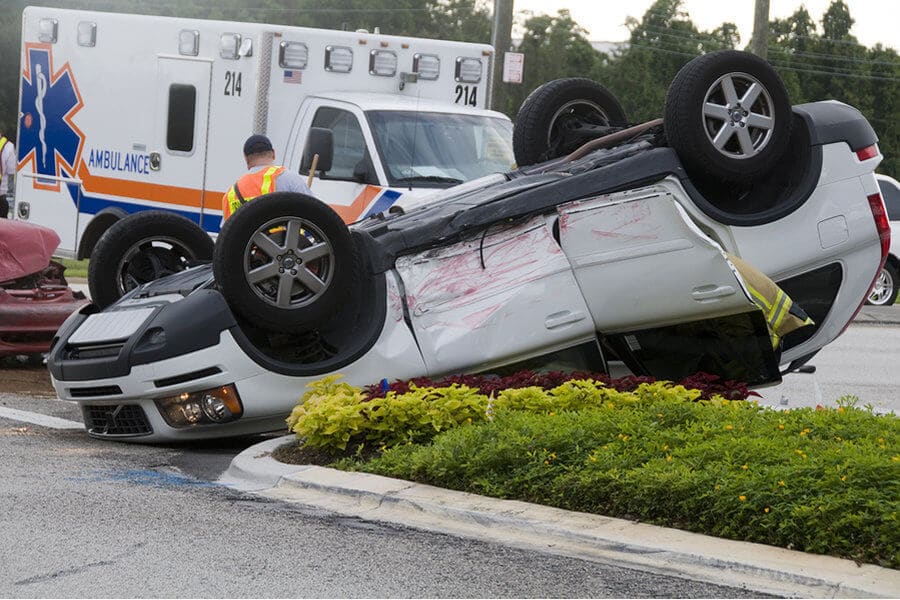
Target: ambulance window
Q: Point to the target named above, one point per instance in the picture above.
(182, 108)
(349, 143)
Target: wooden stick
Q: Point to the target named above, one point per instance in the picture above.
(312, 170)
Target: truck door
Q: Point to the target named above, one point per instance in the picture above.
(351, 187)
(178, 155)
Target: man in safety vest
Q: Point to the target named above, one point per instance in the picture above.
(263, 176)
(7, 174)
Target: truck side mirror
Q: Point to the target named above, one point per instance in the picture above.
(319, 141)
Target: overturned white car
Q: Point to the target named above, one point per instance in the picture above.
(619, 248)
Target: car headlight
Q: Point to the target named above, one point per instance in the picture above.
(206, 407)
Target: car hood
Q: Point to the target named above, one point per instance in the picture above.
(24, 248)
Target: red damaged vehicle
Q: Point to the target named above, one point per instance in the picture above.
(34, 296)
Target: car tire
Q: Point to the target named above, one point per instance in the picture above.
(142, 247)
(556, 108)
(728, 116)
(884, 292)
(285, 262)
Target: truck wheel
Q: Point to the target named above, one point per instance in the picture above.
(285, 262)
(728, 116)
(559, 116)
(140, 248)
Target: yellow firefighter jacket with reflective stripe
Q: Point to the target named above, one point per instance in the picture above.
(782, 316)
(249, 187)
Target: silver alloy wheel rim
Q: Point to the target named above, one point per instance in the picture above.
(289, 262)
(738, 116)
(883, 288)
(126, 281)
(574, 108)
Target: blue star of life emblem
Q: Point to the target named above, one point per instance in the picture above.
(47, 136)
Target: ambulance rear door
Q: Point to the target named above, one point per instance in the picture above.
(178, 155)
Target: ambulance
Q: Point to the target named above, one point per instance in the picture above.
(122, 113)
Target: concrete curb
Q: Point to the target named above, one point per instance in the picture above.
(672, 552)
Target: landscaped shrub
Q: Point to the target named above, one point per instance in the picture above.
(824, 481)
(819, 480)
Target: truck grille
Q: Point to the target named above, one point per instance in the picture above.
(86, 352)
(116, 419)
(93, 392)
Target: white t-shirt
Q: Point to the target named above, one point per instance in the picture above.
(7, 166)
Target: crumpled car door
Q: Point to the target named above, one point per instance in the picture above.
(662, 293)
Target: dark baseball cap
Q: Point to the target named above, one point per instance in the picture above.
(256, 144)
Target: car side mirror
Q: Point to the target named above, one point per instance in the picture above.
(319, 141)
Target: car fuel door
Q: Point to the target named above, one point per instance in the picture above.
(662, 293)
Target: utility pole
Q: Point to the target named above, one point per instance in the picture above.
(501, 40)
(759, 43)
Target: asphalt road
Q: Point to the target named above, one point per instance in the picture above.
(87, 518)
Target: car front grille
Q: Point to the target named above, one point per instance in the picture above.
(93, 392)
(116, 419)
(85, 352)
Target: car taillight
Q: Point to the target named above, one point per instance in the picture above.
(883, 227)
(867, 152)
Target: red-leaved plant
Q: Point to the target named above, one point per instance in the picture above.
(709, 385)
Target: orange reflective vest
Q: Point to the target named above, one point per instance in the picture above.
(249, 187)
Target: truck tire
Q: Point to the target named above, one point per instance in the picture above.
(285, 262)
(142, 247)
(554, 112)
(728, 116)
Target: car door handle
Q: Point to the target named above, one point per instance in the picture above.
(563, 318)
(711, 292)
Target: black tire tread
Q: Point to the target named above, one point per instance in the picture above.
(123, 233)
(228, 259)
(682, 121)
(532, 120)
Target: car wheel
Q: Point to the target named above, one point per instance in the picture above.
(285, 262)
(554, 118)
(728, 116)
(884, 292)
(140, 248)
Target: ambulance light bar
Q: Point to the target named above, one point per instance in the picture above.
(87, 34)
(47, 30)
(229, 44)
(428, 66)
(468, 70)
(383, 63)
(338, 59)
(189, 42)
(293, 55)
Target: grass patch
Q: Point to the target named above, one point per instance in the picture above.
(74, 268)
(818, 480)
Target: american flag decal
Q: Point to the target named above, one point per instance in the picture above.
(293, 76)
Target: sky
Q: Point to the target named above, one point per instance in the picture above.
(875, 20)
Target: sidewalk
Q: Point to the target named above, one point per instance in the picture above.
(755, 567)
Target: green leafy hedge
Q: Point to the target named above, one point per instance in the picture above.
(817, 480)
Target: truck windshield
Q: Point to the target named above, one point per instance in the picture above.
(440, 149)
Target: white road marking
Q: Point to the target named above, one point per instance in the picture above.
(39, 419)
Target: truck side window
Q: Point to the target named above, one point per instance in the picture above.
(182, 112)
(349, 143)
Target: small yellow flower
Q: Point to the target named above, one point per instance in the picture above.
(552, 413)
(592, 458)
(780, 426)
(843, 478)
(729, 427)
(659, 415)
(744, 467)
(781, 483)
(742, 498)
(546, 462)
(766, 509)
(840, 409)
(668, 458)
